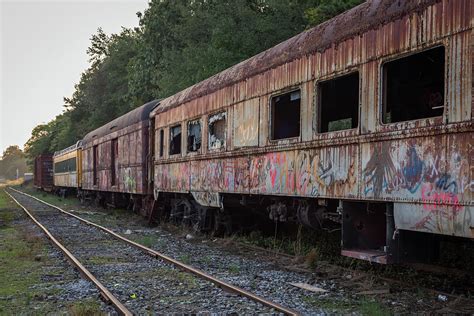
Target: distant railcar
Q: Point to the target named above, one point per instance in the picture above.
(114, 158)
(43, 175)
(365, 120)
(67, 168)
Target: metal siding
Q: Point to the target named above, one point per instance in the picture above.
(246, 120)
(398, 162)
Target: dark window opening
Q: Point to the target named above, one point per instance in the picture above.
(194, 136)
(414, 86)
(162, 139)
(94, 164)
(114, 161)
(339, 103)
(68, 165)
(175, 140)
(217, 130)
(285, 113)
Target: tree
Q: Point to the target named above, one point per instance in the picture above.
(177, 44)
(13, 159)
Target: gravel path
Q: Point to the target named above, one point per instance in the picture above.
(143, 284)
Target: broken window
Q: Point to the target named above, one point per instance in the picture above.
(194, 135)
(162, 138)
(285, 113)
(217, 130)
(175, 140)
(414, 86)
(339, 103)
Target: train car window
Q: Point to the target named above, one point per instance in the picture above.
(414, 86)
(114, 161)
(95, 154)
(194, 136)
(175, 140)
(217, 130)
(339, 103)
(285, 115)
(162, 139)
(68, 165)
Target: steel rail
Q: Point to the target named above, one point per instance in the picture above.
(74, 261)
(222, 284)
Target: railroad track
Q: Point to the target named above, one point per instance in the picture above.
(128, 274)
(464, 294)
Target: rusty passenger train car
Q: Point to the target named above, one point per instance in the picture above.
(366, 119)
(114, 159)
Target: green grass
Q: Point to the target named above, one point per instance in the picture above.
(85, 308)
(363, 306)
(23, 256)
(18, 268)
(234, 268)
(147, 241)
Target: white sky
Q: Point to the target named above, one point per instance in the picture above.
(43, 52)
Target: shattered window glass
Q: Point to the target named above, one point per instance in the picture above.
(175, 140)
(194, 135)
(217, 130)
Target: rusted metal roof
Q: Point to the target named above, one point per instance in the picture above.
(349, 24)
(137, 115)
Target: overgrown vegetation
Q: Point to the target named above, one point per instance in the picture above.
(177, 44)
(12, 164)
(23, 259)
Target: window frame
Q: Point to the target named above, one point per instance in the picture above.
(275, 94)
(161, 143)
(208, 130)
(433, 120)
(199, 151)
(180, 124)
(317, 101)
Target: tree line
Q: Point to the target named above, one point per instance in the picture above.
(12, 163)
(177, 44)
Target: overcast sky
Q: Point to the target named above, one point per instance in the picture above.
(43, 53)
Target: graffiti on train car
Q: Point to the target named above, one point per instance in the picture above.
(172, 177)
(420, 171)
(310, 173)
(273, 173)
(129, 180)
(224, 175)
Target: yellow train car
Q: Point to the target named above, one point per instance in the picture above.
(67, 167)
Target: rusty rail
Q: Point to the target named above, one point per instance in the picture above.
(222, 284)
(74, 261)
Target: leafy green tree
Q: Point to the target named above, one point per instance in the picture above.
(13, 159)
(177, 44)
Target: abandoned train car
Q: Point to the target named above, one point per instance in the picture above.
(68, 169)
(43, 172)
(365, 120)
(114, 159)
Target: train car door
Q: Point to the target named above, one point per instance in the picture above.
(114, 166)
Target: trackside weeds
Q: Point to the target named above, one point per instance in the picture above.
(258, 273)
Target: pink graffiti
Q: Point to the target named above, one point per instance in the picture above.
(432, 199)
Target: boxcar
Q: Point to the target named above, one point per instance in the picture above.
(365, 120)
(67, 168)
(43, 175)
(114, 158)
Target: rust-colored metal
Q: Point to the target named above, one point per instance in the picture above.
(426, 163)
(43, 172)
(185, 267)
(130, 131)
(339, 34)
(74, 261)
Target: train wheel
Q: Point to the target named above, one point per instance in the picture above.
(222, 223)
